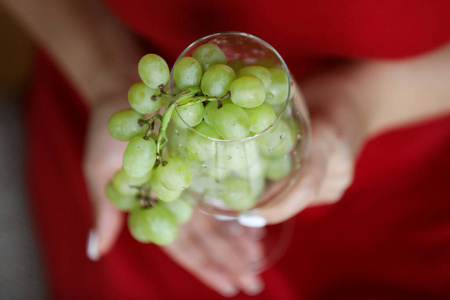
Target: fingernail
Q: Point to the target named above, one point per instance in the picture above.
(229, 291)
(92, 246)
(224, 218)
(253, 288)
(252, 221)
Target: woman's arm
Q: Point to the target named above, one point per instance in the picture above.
(96, 54)
(405, 91)
(99, 56)
(84, 39)
(349, 104)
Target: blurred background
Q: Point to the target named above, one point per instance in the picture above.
(21, 272)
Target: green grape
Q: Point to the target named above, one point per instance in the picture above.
(122, 202)
(155, 224)
(190, 199)
(127, 185)
(238, 194)
(163, 193)
(191, 114)
(178, 137)
(278, 91)
(255, 178)
(208, 55)
(174, 90)
(153, 70)
(181, 209)
(139, 156)
(211, 107)
(136, 226)
(175, 175)
(236, 155)
(279, 140)
(260, 72)
(274, 136)
(278, 109)
(258, 184)
(207, 130)
(218, 171)
(200, 147)
(237, 64)
(247, 91)
(278, 167)
(266, 63)
(287, 144)
(231, 122)
(187, 73)
(124, 124)
(216, 81)
(140, 98)
(226, 101)
(260, 117)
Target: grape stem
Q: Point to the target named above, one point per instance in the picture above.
(161, 94)
(150, 124)
(194, 94)
(145, 198)
(198, 99)
(162, 136)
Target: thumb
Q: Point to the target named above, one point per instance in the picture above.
(308, 185)
(108, 225)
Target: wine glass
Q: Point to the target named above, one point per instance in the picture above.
(233, 179)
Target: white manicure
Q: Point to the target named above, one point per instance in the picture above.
(224, 218)
(229, 292)
(92, 246)
(252, 221)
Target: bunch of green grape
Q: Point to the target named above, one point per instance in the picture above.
(221, 100)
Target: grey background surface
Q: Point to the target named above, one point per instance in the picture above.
(21, 271)
(22, 274)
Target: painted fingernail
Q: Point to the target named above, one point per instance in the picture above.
(253, 288)
(224, 218)
(229, 291)
(252, 221)
(92, 246)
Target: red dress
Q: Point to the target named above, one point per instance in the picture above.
(388, 238)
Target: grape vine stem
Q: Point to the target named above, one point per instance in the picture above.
(195, 97)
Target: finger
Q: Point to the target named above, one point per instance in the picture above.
(251, 248)
(333, 188)
(244, 247)
(218, 244)
(103, 157)
(306, 189)
(108, 220)
(250, 284)
(248, 245)
(339, 175)
(186, 252)
(230, 251)
(108, 225)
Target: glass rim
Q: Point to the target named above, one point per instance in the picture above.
(248, 35)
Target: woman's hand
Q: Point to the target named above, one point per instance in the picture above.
(337, 131)
(351, 103)
(103, 157)
(348, 104)
(209, 250)
(201, 247)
